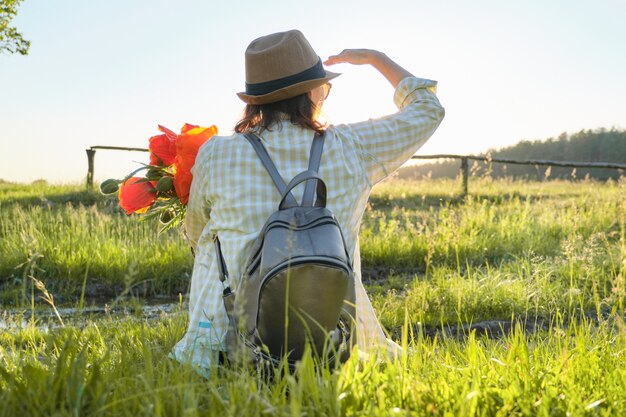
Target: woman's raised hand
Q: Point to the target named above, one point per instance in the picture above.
(353, 56)
(393, 72)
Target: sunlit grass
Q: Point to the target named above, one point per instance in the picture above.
(410, 227)
(121, 368)
(73, 236)
(552, 254)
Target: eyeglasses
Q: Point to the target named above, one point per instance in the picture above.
(327, 88)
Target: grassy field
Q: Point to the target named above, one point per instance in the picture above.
(543, 260)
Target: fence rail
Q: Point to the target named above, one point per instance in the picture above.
(91, 156)
(465, 166)
(567, 164)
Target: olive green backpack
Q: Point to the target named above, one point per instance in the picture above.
(297, 287)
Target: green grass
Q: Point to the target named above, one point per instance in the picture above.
(120, 368)
(551, 253)
(70, 236)
(510, 247)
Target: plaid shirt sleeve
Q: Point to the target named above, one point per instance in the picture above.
(385, 144)
(198, 206)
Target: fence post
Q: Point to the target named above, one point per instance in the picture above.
(464, 175)
(91, 155)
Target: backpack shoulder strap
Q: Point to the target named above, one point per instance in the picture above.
(256, 143)
(314, 165)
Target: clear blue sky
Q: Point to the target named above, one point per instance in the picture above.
(106, 73)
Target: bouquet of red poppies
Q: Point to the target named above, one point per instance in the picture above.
(164, 190)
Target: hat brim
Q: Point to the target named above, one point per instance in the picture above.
(287, 92)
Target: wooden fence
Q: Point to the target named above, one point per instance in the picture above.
(465, 165)
(91, 156)
(91, 159)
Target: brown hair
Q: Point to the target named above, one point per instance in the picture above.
(299, 110)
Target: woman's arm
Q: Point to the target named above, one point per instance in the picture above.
(386, 143)
(393, 72)
(198, 206)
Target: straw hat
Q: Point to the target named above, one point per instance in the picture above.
(281, 66)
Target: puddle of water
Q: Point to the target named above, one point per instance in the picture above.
(45, 319)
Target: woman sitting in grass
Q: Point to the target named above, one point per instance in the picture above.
(232, 195)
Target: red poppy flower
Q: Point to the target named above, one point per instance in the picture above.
(171, 135)
(187, 127)
(136, 195)
(162, 150)
(187, 145)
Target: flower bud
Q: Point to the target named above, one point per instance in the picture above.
(154, 174)
(109, 186)
(165, 184)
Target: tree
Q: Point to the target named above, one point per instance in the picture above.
(11, 41)
(600, 145)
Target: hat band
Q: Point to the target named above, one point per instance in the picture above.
(259, 89)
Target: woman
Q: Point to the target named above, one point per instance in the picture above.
(232, 195)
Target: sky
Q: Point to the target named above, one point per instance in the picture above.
(108, 72)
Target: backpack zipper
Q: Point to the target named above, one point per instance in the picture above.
(288, 226)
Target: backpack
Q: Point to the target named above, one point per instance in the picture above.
(297, 287)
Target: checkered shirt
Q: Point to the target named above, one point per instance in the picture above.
(232, 196)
